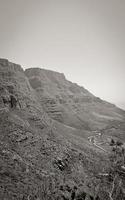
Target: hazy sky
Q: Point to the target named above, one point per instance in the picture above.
(84, 39)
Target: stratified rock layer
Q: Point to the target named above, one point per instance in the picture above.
(44, 124)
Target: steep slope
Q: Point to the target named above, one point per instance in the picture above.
(45, 122)
(69, 103)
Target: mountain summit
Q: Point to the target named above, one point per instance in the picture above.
(54, 135)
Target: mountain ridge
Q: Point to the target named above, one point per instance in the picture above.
(6, 62)
(48, 132)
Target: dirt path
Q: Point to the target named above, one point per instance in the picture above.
(92, 139)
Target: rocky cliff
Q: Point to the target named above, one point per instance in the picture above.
(45, 124)
(69, 103)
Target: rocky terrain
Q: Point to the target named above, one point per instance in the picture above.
(55, 138)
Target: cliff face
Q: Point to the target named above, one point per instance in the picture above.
(44, 128)
(69, 103)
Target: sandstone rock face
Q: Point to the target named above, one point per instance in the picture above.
(44, 124)
(69, 103)
(13, 82)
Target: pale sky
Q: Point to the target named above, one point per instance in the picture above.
(84, 39)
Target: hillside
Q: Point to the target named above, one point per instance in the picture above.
(46, 129)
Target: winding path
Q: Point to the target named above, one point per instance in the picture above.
(92, 139)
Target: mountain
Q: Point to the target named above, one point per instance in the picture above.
(69, 103)
(54, 135)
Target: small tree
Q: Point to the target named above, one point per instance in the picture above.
(112, 185)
